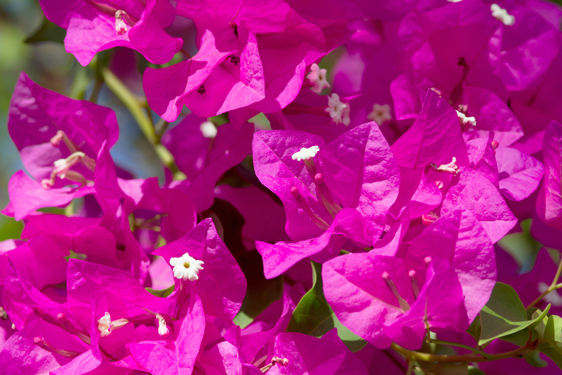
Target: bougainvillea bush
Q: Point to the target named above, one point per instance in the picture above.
(349, 187)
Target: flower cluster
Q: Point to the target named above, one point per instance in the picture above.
(397, 145)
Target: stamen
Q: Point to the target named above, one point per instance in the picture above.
(427, 260)
(403, 304)
(339, 112)
(40, 342)
(466, 121)
(69, 327)
(307, 155)
(62, 169)
(325, 196)
(3, 314)
(439, 184)
(415, 285)
(301, 202)
(106, 325)
(495, 144)
(317, 78)
(186, 267)
(380, 114)
(429, 218)
(463, 108)
(501, 15)
(120, 24)
(275, 360)
(450, 167)
(162, 328)
(61, 136)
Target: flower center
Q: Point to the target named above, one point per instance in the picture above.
(338, 111)
(186, 267)
(501, 15)
(380, 114)
(451, 167)
(404, 306)
(317, 78)
(466, 121)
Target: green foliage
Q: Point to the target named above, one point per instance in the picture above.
(551, 343)
(505, 315)
(47, 32)
(475, 371)
(261, 292)
(534, 359)
(74, 255)
(314, 316)
(163, 293)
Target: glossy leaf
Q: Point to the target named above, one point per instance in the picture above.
(314, 316)
(504, 315)
(551, 344)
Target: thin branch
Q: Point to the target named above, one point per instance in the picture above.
(418, 356)
(553, 286)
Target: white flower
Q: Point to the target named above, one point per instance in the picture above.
(186, 267)
(380, 114)
(339, 112)
(306, 153)
(317, 78)
(502, 15)
(208, 129)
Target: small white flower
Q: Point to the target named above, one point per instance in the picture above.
(208, 129)
(502, 15)
(380, 114)
(306, 153)
(339, 112)
(465, 120)
(186, 267)
(451, 167)
(317, 78)
(120, 24)
(162, 328)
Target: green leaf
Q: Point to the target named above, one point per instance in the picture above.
(475, 329)
(505, 315)
(314, 316)
(163, 293)
(74, 255)
(535, 360)
(261, 292)
(551, 344)
(475, 371)
(47, 32)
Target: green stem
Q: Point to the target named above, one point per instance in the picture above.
(441, 342)
(145, 122)
(130, 101)
(553, 286)
(426, 357)
(410, 367)
(98, 83)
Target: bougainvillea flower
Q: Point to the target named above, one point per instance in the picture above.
(482, 198)
(94, 26)
(482, 156)
(299, 354)
(519, 173)
(458, 238)
(549, 202)
(63, 143)
(377, 298)
(209, 84)
(178, 356)
(345, 194)
(221, 285)
(209, 157)
(49, 346)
